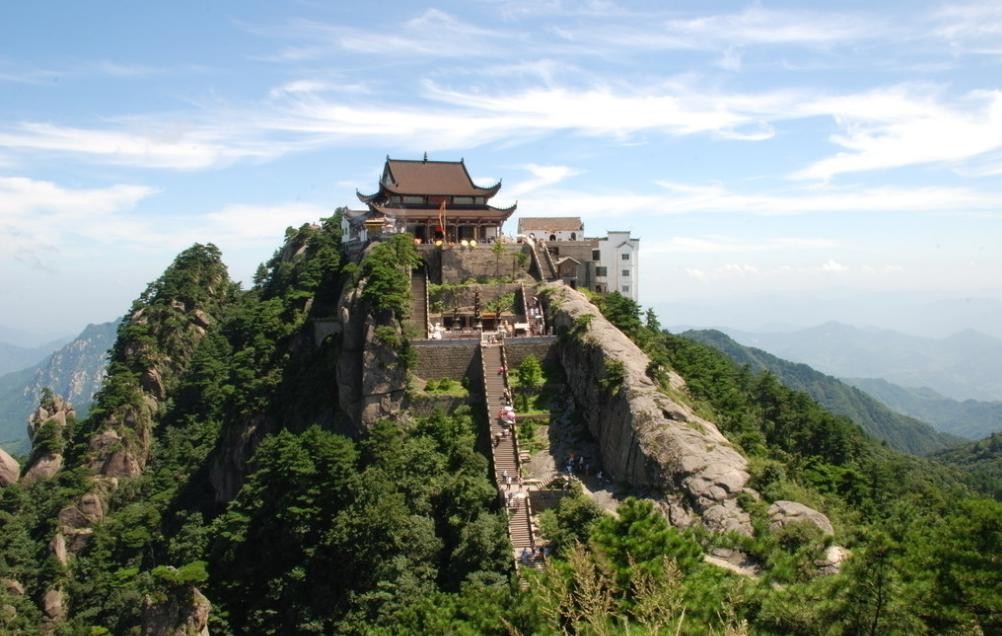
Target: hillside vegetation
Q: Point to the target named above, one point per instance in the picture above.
(218, 481)
(903, 433)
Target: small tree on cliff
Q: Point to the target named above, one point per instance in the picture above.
(498, 249)
(530, 378)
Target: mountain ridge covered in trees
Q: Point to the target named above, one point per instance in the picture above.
(903, 433)
(247, 491)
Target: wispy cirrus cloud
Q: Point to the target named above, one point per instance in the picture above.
(896, 127)
(179, 147)
(542, 177)
(973, 27)
(433, 33)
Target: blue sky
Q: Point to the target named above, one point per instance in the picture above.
(771, 156)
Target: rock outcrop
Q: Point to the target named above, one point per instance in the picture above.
(782, 513)
(45, 428)
(43, 468)
(183, 614)
(10, 470)
(54, 605)
(831, 562)
(371, 380)
(647, 439)
(12, 586)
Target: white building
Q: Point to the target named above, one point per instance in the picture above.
(602, 264)
(551, 228)
(618, 266)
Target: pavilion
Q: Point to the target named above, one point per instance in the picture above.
(436, 201)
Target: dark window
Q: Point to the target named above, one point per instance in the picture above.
(596, 255)
(601, 271)
(626, 272)
(626, 289)
(625, 257)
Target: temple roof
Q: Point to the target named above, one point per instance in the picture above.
(423, 177)
(550, 224)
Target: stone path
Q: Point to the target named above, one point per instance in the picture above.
(504, 455)
(419, 301)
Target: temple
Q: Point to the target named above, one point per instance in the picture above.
(435, 201)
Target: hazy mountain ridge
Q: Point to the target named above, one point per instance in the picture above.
(971, 419)
(15, 357)
(965, 365)
(899, 431)
(75, 372)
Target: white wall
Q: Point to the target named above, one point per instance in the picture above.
(620, 255)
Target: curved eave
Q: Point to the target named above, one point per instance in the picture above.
(366, 198)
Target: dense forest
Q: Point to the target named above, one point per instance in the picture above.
(228, 477)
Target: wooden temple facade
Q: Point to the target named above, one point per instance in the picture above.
(436, 201)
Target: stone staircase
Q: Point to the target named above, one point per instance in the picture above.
(543, 261)
(505, 454)
(419, 301)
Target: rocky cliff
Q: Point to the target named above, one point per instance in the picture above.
(647, 439)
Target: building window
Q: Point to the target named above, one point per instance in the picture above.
(625, 289)
(596, 255)
(601, 271)
(625, 257)
(626, 272)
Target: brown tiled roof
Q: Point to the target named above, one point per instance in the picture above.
(550, 224)
(432, 177)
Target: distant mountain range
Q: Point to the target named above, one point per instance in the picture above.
(899, 431)
(969, 418)
(966, 365)
(14, 357)
(75, 372)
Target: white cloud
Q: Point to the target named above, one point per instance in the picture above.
(760, 26)
(177, 147)
(971, 27)
(433, 33)
(542, 176)
(893, 128)
(36, 216)
(833, 266)
(241, 225)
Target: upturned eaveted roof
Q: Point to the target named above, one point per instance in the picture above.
(550, 224)
(424, 177)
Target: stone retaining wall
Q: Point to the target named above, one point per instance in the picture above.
(455, 264)
(543, 347)
(455, 359)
